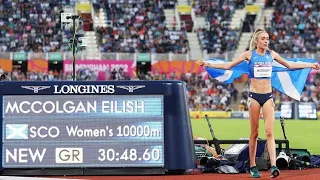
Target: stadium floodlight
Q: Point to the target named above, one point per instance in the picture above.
(64, 18)
(74, 42)
(82, 41)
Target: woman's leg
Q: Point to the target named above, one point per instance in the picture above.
(254, 113)
(268, 116)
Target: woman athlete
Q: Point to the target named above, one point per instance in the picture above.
(260, 59)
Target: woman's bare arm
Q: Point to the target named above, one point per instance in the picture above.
(291, 65)
(245, 56)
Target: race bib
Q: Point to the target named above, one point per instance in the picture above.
(262, 69)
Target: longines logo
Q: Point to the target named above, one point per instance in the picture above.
(91, 89)
(131, 88)
(36, 89)
(82, 89)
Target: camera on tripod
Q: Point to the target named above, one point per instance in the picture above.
(2, 77)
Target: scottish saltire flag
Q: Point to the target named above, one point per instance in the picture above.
(288, 81)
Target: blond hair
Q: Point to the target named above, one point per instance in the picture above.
(253, 41)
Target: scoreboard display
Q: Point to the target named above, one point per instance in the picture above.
(83, 130)
(299, 110)
(286, 110)
(87, 125)
(307, 110)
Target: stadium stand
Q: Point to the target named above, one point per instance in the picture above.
(295, 26)
(219, 38)
(168, 4)
(30, 26)
(216, 10)
(140, 27)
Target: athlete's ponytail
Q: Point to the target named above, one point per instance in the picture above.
(253, 41)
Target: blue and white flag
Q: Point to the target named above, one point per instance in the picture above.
(288, 81)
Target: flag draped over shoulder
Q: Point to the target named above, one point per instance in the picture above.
(288, 81)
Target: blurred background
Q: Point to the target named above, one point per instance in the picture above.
(159, 40)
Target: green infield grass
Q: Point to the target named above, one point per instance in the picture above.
(302, 134)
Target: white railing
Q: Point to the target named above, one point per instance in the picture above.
(75, 9)
(258, 17)
(177, 16)
(194, 19)
(93, 14)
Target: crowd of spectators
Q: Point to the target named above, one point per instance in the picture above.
(219, 37)
(203, 93)
(217, 10)
(210, 94)
(295, 26)
(140, 26)
(30, 25)
(131, 40)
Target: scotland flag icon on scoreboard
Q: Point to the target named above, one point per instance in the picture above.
(16, 131)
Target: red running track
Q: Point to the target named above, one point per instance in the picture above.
(307, 174)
